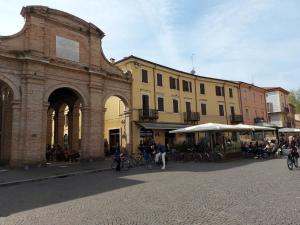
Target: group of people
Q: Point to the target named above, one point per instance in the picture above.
(292, 142)
(271, 147)
(268, 147)
(150, 149)
(57, 153)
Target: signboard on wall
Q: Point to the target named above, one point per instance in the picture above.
(67, 49)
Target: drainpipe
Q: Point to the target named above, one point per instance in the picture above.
(241, 102)
(154, 80)
(226, 114)
(196, 95)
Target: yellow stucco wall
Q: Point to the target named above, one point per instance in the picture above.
(139, 88)
(114, 116)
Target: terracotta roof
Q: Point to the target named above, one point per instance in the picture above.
(276, 89)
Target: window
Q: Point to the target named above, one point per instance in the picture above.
(144, 76)
(188, 107)
(160, 104)
(202, 89)
(203, 109)
(230, 93)
(175, 106)
(174, 83)
(247, 113)
(221, 110)
(145, 101)
(270, 107)
(254, 97)
(261, 99)
(145, 105)
(187, 86)
(159, 79)
(219, 91)
(232, 110)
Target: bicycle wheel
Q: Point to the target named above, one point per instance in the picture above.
(114, 165)
(296, 161)
(125, 165)
(290, 163)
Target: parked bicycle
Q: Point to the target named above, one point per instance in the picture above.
(124, 163)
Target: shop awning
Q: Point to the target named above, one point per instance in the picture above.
(162, 126)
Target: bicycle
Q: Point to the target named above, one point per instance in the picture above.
(292, 160)
(138, 159)
(124, 163)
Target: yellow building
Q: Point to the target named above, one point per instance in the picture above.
(164, 99)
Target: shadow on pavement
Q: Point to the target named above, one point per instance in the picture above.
(29, 196)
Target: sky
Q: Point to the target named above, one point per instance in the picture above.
(255, 41)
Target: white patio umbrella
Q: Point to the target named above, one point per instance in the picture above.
(289, 130)
(205, 127)
(253, 128)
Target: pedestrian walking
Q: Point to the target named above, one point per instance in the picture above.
(161, 153)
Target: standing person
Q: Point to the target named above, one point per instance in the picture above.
(117, 158)
(161, 152)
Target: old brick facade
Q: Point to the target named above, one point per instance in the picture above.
(55, 56)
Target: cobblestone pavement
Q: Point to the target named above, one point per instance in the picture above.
(238, 192)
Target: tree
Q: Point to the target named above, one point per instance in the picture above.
(294, 98)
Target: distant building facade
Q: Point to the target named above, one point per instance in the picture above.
(253, 103)
(277, 106)
(164, 99)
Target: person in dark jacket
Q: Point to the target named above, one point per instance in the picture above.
(161, 152)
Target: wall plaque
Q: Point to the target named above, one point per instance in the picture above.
(67, 49)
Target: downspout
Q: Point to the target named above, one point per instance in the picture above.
(241, 103)
(196, 96)
(195, 82)
(154, 88)
(226, 114)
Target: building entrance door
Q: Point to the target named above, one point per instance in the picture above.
(169, 140)
(114, 140)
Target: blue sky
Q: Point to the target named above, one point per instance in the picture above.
(248, 40)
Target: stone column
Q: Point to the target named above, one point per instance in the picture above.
(45, 132)
(59, 127)
(129, 131)
(16, 153)
(74, 129)
(94, 125)
(84, 133)
(49, 126)
(6, 129)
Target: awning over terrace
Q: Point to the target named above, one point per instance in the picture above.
(162, 126)
(289, 130)
(221, 127)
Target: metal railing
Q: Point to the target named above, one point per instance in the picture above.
(148, 114)
(236, 119)
(191, 116)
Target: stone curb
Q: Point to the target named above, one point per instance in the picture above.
(80, 172)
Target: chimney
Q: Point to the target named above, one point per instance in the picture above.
(112, 60)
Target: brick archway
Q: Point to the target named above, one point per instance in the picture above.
(64, 52)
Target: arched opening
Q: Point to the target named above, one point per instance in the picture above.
(6, 95)
(117, 126)
(64, 123)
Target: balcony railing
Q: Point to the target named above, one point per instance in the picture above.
(236, 118)
(148, 114)
(191, 116)
(259, 120)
